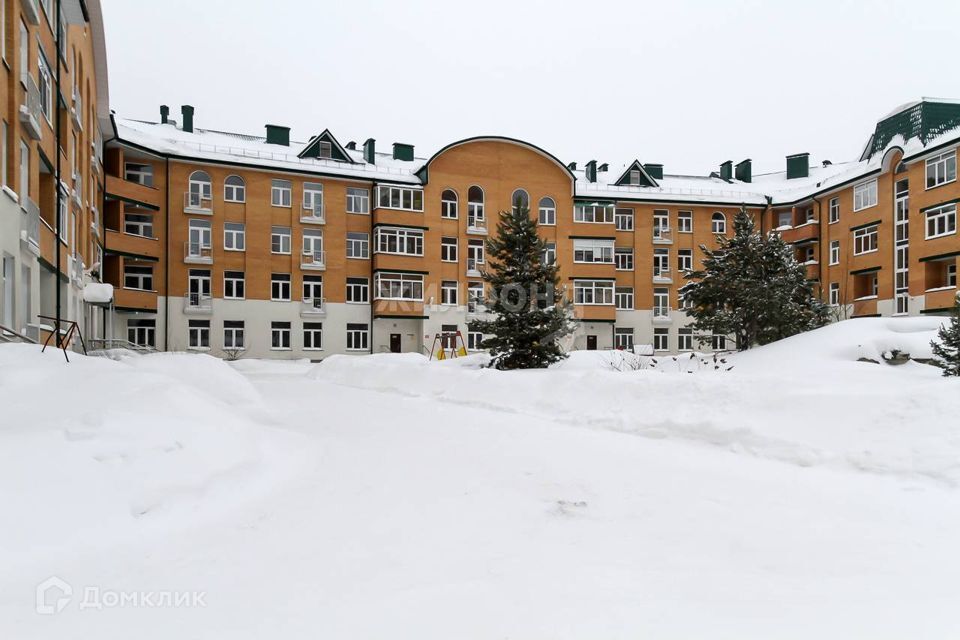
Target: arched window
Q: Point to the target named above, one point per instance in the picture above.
(719, 223)
(448, 204)
(201, 190)
(475, 207)
(234, 189)
(520, 199)
(548, 211)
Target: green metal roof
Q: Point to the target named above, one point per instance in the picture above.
(924, 120)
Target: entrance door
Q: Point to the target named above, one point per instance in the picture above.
(591, 343)
(394, 343)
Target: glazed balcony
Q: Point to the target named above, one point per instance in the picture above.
(131, 191)
(131, 244)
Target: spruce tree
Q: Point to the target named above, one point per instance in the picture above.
(946, 352)
(530, 317)
(753, 288)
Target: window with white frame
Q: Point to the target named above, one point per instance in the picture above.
(718, 223)
(313, 199)
(45, 84)
(358, 290)
(280, 240)
(313, 246)
(233, 337)
(623, 298)
(685, 260)
(834, 210)
(951, 273)
(234, 286)
(941, 221)
(138, 224)
(137, 277)
(24, 174)
(475, 214)
(593, 212)
(623, 258)
(593, 250)
(718, 343)
(661, 224)
(784, 219)
(942, 169)
(623, 219)
(142, 332)
(865, 195)
(200, 189)
(198, 334)
(396, 197)
(623, 338)
(280, 286)
(474, 296)
(448, 249)
(520, 200)
(448, 292)
(281, 193)
(834, 252)
(635, 177)
(312, 336)
(324, 149)
(685, 221)
(448, 204)
(598, 292)
(475, 254)
(661, 339)
(398, 241)
(474, 340)
(548, 211)
(279, 336)
(834, 293)
(865, 240)
(358, 245)
(398, 286)
(358, 200)
(313, 290)
(358, 336)
(234, 236)
(661, 302)
(661, 263)
(234, 189)
(549, 253)
(685, 339)
(139, 173)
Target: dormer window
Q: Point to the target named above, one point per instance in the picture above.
(325, 149)
(634, 177)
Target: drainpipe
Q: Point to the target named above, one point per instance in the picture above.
(166, 258)
(820, 258)
(56, 231)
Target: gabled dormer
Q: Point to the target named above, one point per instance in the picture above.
(636, 176)
(326, 147)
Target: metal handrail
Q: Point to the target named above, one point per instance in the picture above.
(118, 343)
(10, 335)
(197, 301)
(198, 201)
(31, 96)
(318, 258)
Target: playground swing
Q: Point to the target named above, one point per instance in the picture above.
(440, 342)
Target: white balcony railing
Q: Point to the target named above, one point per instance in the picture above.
(194, 202)
(661, 273)
(473, 267)
(197, 303)
(313, 260)
(197, 253)
(313, 215)
(313, 307)
(661, 314)
(661, 234)
(30, 223)
(30, 111)
(76, 111)
(476, 224)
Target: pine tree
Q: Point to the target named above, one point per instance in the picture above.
(946, 352)
(530, 317)
(753, 288)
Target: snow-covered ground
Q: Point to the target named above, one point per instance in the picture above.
(800, 494)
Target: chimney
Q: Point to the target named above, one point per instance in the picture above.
(278, 135)
(591, 171)
(603, 168)
(402, 151)
(798, 166)
(370, 151)
(726, 170)
(744, 171)
(352, 145)
(164, 114)
(187, 112)
(572, 166)
(654, 170)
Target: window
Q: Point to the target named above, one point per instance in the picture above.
(448, 292)
(623, 219)
(281, 193)
(718, 223)
(233, 285)
(520, 200)
(200, 238)
(280, 240)
(834, 293)
(405, 198)
(593, 292)
(312, 336)
(634, 176)
(661, 225)
(807, 254)
(474, 340)
(865, 195)
(448, 204)
(661, 339)
(784, 219)
(685, 339)
(280, 286)
(475, 255)
(234, 189)
(592, 250)
(623, 259)
(951, 279)
(279, 335)
(358, 200)
(661, 263)
(138, 224)
(139, 173)
(549, 253)
(234, 236)
(834, 210)
(548, 211)
(834, 252)
(45, 84)
(5, 134)
(718, 343)
(685, 222)
(142, 332)
(399, 240)
(593, 212)
(475, 213)
(685, 260)
(313, 246)
(624, 298)
(137, 277)
(942, 169)
(233, 334)
(198, 286)
(357, 337)
(313, 198)
(198, 335)
(474, 296)
(941, 221)
(24, 174)
(448, 249)
(661, 303)
(865, 240)
(200, 190)
(808, 215)
(313, 290)
(623, 338)
(324, 149)
(398, 286)
(358, 290)
(358, 245)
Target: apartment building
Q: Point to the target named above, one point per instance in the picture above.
(54, 92)
(228, 242)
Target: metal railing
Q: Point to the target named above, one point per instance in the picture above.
(313, 306)
(197, 202)
(476, 223)
(314, 214)
(661, 313)
(30, 223)
(197, 302)
(105, 344)
(77, 110)
(662, 234)
(30, 110)
(313, 259)
(197, 252)
(473, 265)
(10, 335)
(661, 272)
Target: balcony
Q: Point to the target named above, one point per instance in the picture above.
(76, 111)
(865, 306)
(30, 226)
(661, 275)
(197, 203)
(313, 308)
(313, 260)
(662, 315)
(197, 304)
(30, 112)
(940, 297)
(131, 244)
(131, 191)
(662, 236)
(75, 266)
(473, 267)
(197, 253)
(313, 216)
(135, 299)
(476, 225)
(813, 270)
(805, 232)
(31, 11)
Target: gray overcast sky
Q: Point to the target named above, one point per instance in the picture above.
(687, 83)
